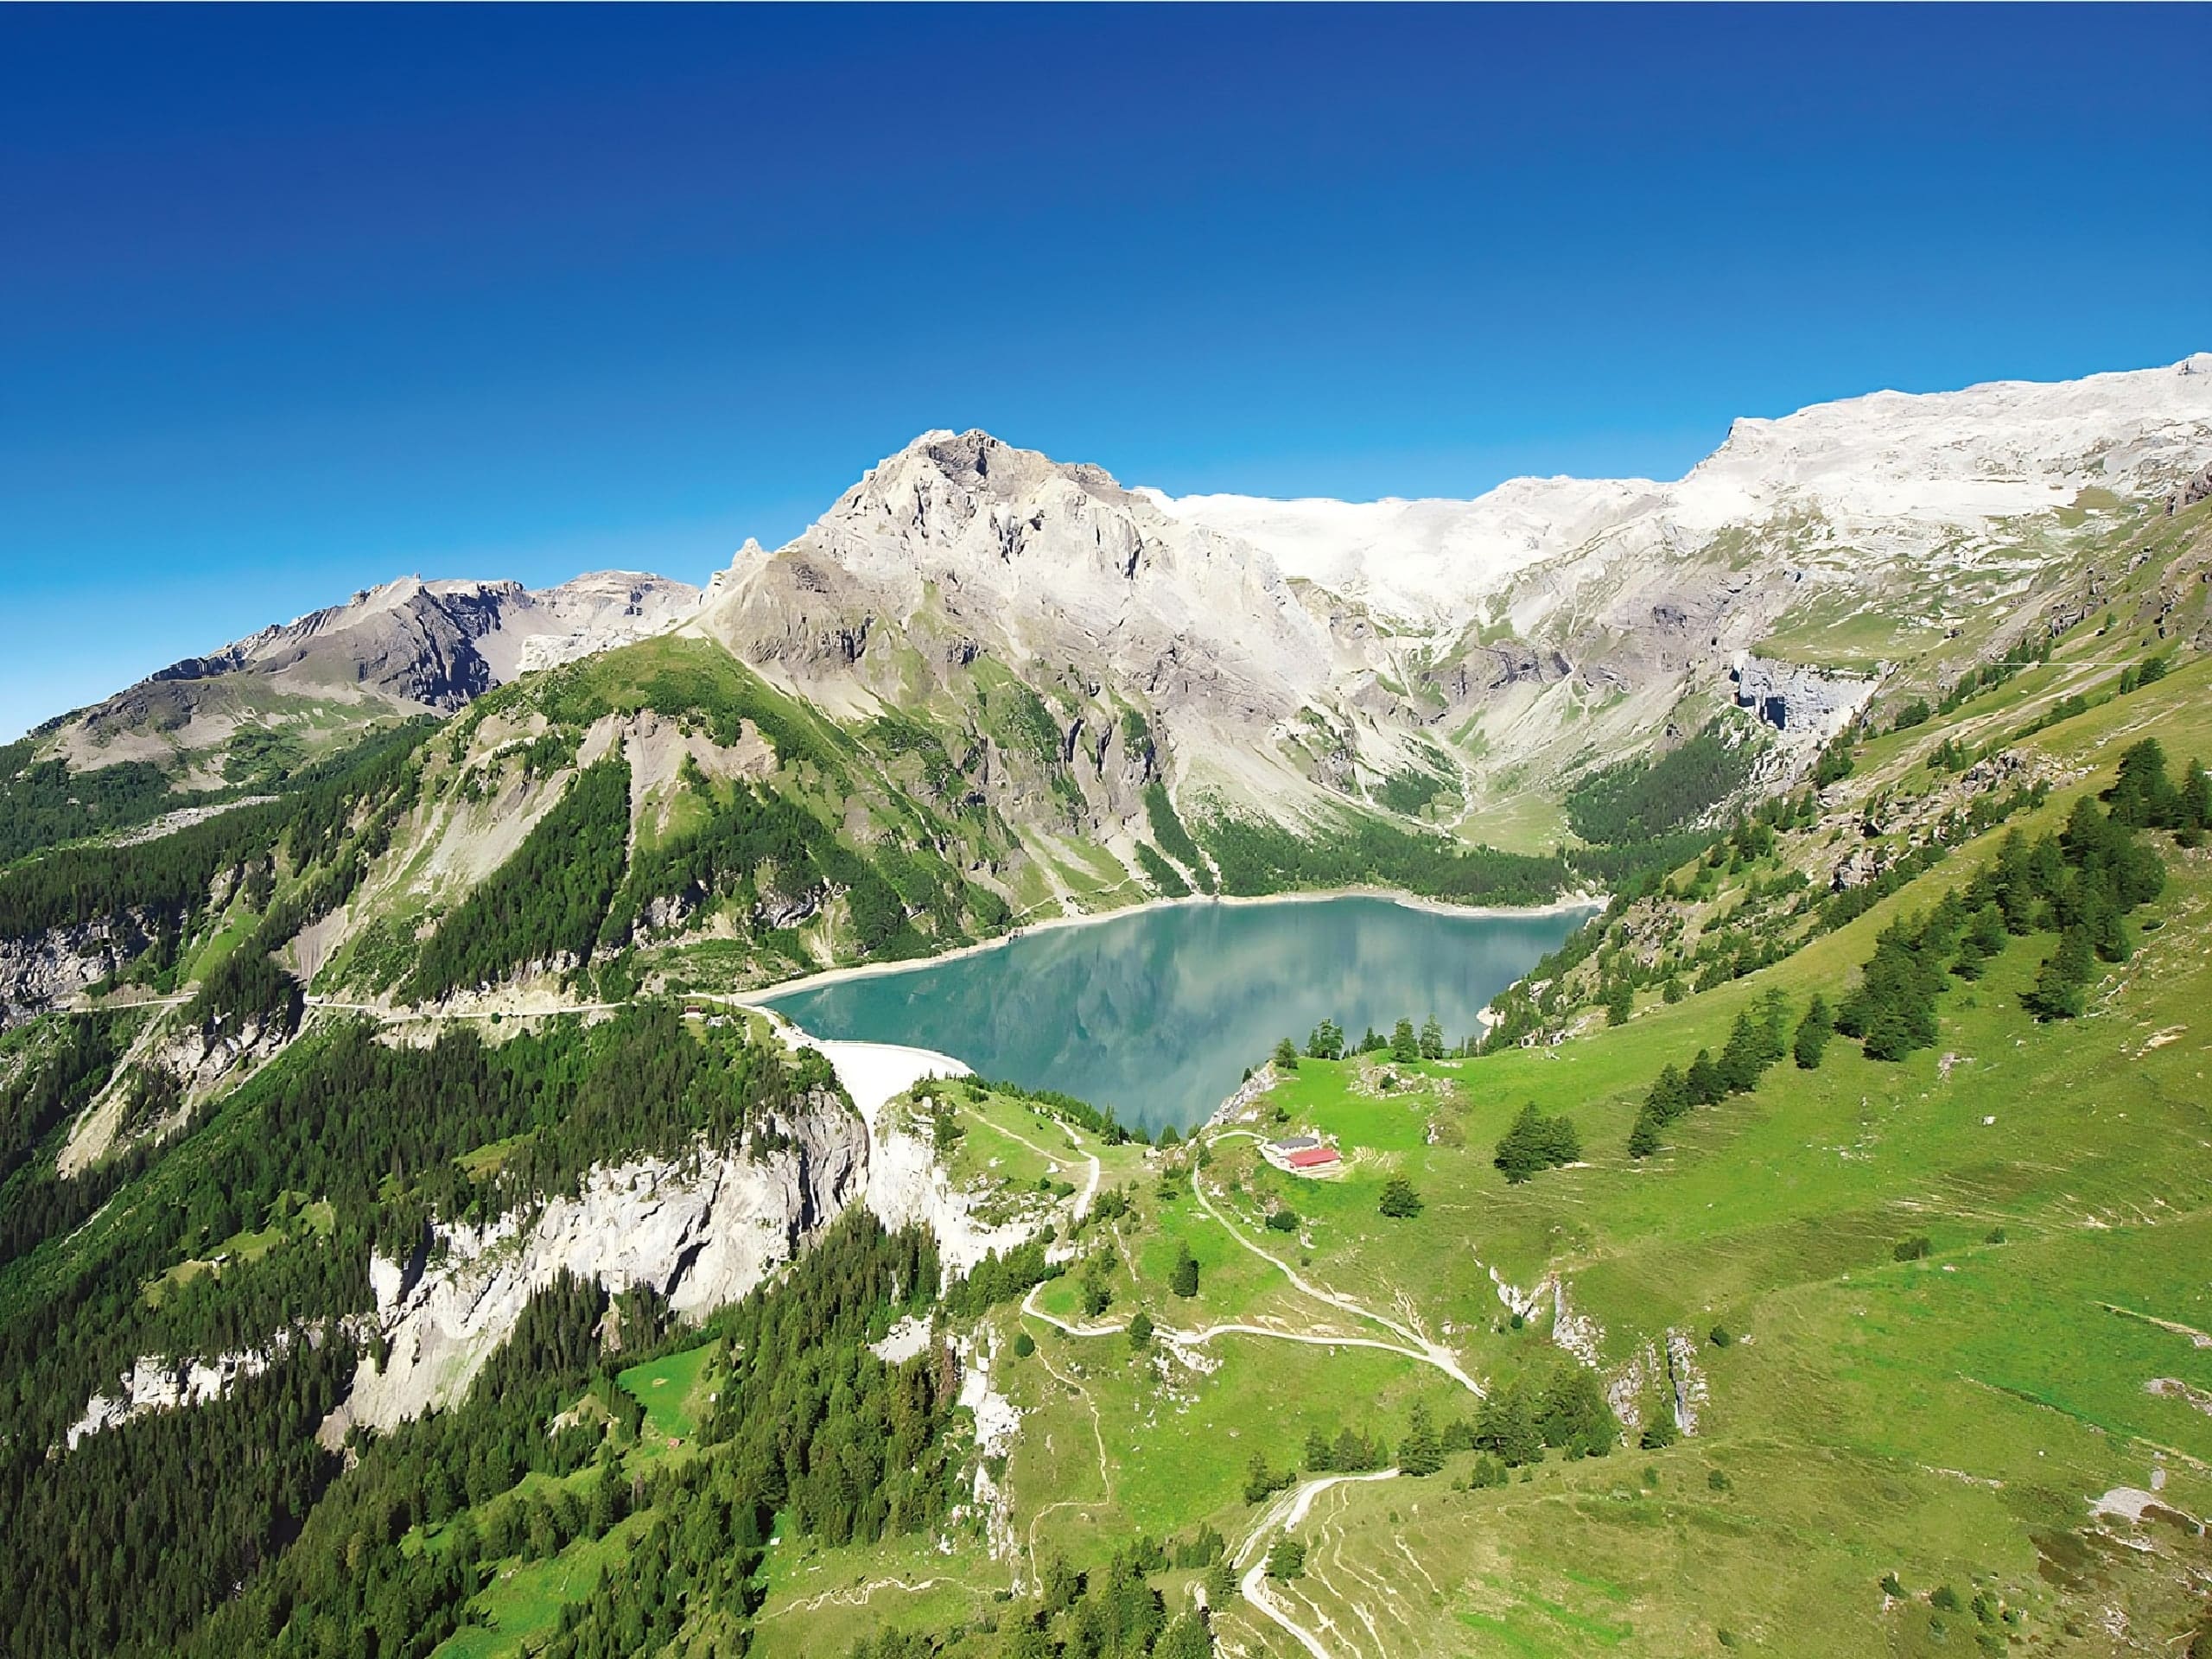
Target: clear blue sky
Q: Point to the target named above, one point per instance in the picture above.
(292, 301)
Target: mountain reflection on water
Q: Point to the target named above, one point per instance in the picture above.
(1157, 1014)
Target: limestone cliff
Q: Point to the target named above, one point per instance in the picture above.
(701, 1230)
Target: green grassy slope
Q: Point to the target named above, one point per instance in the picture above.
(1950, 1419)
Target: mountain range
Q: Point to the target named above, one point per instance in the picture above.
(416, 1238)
(1300, 656)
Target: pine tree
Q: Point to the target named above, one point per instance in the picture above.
(1320, 1458)
(1813, 1033)
(1285, 1055)
(1431, 1040)
(1400, 1200)
(1739, 1058)
(2194, 808)
(1703, 1083)
(1421, 1453)
(1405, 1047)
(1189, 1636)
(1536, 1142)
(1259, 1480)
(2059, 986)
(1506, 1424)
(1575, 1415)
(2143, 797)
(1185, 1279)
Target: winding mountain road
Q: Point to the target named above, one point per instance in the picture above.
(1283, 1515)
(1419, 1344)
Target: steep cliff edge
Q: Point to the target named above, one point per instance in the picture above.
(701, 1230)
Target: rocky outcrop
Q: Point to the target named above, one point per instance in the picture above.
(37, 972)
(907, 1187)
(1796, 701)
(158, 1383)
(701, 1230)
(2187, 495)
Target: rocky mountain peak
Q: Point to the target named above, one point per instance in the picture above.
(404, 646)
(953, 475)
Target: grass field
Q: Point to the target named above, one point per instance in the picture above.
(675, 1391)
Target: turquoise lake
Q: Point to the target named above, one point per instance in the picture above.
(1157, 1014)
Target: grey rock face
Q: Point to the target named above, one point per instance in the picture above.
(408, 647)
(2187, 495)
(1795, 700)
(702, 1230)
(36, 973)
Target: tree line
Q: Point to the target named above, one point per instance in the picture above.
(2082, 882)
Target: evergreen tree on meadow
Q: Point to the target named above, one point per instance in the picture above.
(1575, 1416)
(1187, 1636)
(1183, 1282)
(1506, 1425)
(1400, 1200)
(1740, 1057)
(2143, 797)
(1404, 1047)
(1813, 1034)
(1703, 1082)
(2059, 988)
(1536, 1142)
(1421, 1453)
(2196, 805)
(1431, 1040)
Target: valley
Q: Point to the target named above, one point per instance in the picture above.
(626, 1147)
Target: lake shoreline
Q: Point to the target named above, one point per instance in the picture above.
(829, 976)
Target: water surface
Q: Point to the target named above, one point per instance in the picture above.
(1158, 1014)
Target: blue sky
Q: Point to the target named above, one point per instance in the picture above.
(293, 301)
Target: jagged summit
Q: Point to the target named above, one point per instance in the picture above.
(954, 469)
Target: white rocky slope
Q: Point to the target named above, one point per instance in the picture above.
(155, 1383)
(702, 1230)
(1920, 468)
(907, 1184)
